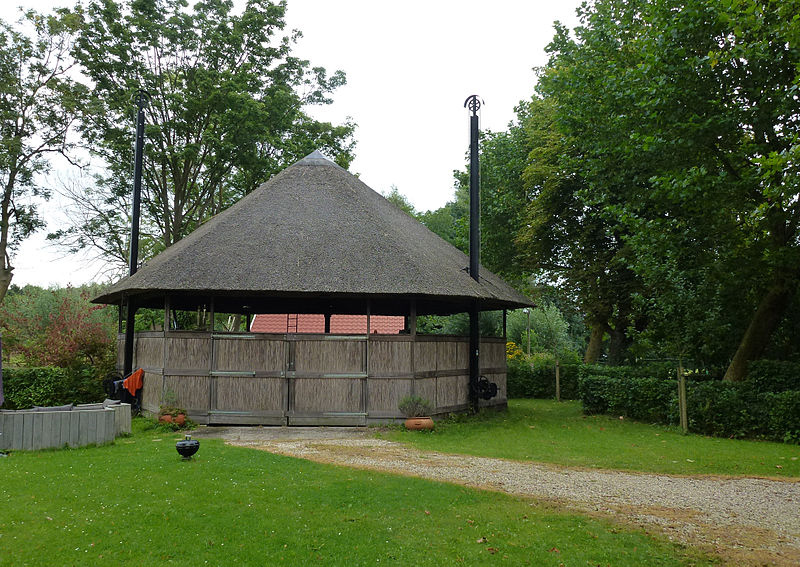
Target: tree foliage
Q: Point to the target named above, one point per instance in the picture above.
(39, 102)
(59, 327)
(684, 124)
(226, 111)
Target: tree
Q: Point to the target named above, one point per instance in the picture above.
(38, 107)
(59, 327)
(568, 242)
(226, 112)
(395, 197)
(503, 196)
(451, 221)
(685, 122)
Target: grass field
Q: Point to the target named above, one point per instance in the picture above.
(136, 503)
(552, 432)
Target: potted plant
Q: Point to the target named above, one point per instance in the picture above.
(417, 411)
(170, 412)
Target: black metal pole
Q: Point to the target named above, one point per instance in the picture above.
(473, 103)
(141, 101)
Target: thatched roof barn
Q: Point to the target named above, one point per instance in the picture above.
(313, 239)
(312, 235)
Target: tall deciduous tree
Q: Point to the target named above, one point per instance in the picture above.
(226, 112)
(687, 122)
(38, 106)
(569, 241)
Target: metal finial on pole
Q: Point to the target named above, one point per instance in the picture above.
(141, 98)
(473, 103)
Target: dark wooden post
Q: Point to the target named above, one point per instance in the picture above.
(473, 103)
(141, 101)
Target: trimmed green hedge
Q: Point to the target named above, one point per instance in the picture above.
(537, 379)
(50, 386)
(773, 375)
(714, 407)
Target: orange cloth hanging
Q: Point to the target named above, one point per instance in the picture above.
(133, 382)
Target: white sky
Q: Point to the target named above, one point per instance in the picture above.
(410, 65)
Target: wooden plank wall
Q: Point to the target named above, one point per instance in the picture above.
(325, 355)
(261, 378)
(149, 351)
(152, 390)
(259, 354)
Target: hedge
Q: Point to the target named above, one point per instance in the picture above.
(537, 379)
(715, 407)
(773, 375)
(50, 386)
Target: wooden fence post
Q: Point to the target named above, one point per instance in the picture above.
(682, 398)
(558, 381)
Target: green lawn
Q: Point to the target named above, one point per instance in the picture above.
(552, 432)
(135, 502)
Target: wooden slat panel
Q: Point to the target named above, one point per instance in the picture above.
(424, 356)
(249, 394)
(389, 357)
(328, 420)
(452, 390)
(327, 395)
(502, 390)
(151, 391)
(452, 355)
(266, 355)
(385, 395)
(183, 352)
(191, 391)
(245, 419)
(426, 388)
(493, 355)
(330, 356)
(148, 352)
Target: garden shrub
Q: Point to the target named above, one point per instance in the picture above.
(665, 370)
(783, 410)
(715, 407)
(646, 399)
(773, 375)
(725, 409)
(50, 386)
(595, 392)
(535, 377)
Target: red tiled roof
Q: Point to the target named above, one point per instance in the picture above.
(340, 324)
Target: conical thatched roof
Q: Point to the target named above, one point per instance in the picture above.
(314, 234)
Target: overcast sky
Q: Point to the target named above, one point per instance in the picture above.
(410, 65)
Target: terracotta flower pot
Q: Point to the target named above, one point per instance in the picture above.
(417, 423)
(180, 419)
(165, 418)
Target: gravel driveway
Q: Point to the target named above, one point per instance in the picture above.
(747, 521)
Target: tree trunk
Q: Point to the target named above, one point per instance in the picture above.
(617, 345)
(756, 338)
(5, 281)
(595, 346)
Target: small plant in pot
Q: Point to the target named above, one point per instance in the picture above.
(417, 411)
(170, 412)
